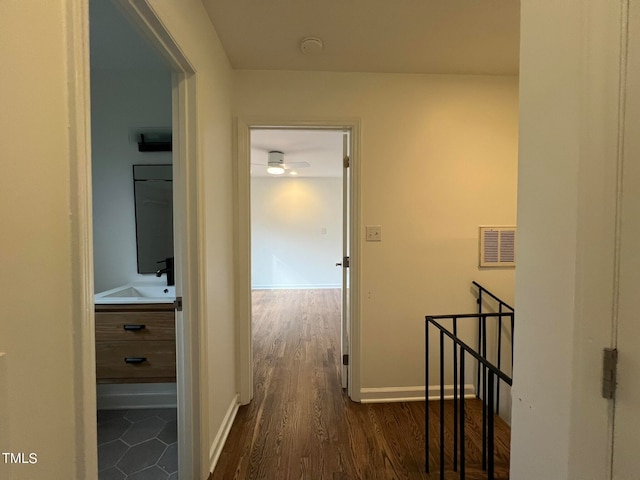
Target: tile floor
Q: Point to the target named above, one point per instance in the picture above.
(137, 444)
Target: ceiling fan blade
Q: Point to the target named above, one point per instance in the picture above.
(289, 149)
(288, 165)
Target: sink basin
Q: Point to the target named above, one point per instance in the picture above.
(139, 291)
(135, 293)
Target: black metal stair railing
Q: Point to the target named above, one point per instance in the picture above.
(485, 296)
(488, 382)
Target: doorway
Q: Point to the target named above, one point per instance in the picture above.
(272, 260)
(297, 226)
(155, 415)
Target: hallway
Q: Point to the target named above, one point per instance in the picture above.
(301, 424)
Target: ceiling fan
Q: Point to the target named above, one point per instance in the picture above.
(277, 166)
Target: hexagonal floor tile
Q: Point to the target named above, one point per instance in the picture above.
(169, 459)
(151, 473)
(109, 453)
(137, 414)
(141, 456)
(111, 474)
(169, 433)
(109, 431)
(143, 430)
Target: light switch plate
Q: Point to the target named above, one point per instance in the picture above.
(373, 233)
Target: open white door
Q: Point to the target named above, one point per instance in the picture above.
(344, 343)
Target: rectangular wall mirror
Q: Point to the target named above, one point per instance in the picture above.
(153, 190)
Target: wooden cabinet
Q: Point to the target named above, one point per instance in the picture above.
(135, 343)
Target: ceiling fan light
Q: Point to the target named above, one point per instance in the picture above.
(275, 170)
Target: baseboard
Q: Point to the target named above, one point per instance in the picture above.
(296, 287)
(410, 394)
(138, 395)
(223, 432)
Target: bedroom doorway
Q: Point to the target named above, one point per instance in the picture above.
(297, 183)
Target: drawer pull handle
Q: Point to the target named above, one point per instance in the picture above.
(134, 328)
(135, 360)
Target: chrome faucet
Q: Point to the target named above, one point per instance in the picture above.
(168, 270)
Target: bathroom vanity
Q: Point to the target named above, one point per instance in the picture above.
(135, 337)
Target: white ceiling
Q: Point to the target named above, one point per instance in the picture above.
(322, 149)
(398, 36)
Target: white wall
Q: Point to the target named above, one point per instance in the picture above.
(296, 232)
(39, 313)
(438, 159)
(566, 238)
(122, 102)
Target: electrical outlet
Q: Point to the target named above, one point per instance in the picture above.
(374, 233)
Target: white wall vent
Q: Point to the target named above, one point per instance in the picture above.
(497, 246)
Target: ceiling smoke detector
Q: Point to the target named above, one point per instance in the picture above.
(311, 45)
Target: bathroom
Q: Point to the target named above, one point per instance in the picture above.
(131, 169)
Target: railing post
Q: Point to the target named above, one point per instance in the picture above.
(462, 442)
(441, 405)
(483, 354)
(499, 358)
(479, 338)
(512, 337)
(426, 393)
(455, 396)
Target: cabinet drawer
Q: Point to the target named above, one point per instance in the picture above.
(124, 326)
(159, 361)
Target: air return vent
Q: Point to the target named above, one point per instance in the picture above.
(497, 246)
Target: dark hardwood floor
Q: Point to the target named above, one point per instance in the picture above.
(302, 425)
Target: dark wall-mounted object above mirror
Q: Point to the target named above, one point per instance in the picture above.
(155, 142)
(153, 190)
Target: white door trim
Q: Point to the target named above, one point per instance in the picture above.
(189, 280)
(79, 79)
(243, 241)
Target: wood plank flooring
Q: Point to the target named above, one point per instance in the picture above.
(302, 425)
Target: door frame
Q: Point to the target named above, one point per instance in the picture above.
(188, 246)
(242, 185)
